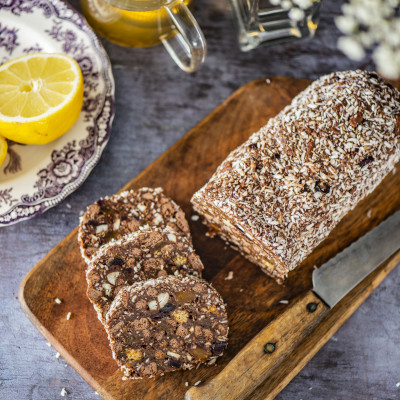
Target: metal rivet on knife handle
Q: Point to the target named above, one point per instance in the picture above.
(311, 307)
(269, 348)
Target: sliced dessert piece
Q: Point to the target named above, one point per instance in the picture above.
(166, 324)
(115, 216)
(145, 254)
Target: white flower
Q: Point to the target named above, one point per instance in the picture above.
(296, 14)
(372, 23)
(346, 23)
(303, 4)
(351, 47)
(388, 61)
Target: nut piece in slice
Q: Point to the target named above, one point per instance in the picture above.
(166, 324)
(146, 254)
(113, 217)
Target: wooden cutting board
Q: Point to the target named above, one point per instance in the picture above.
(253, 299)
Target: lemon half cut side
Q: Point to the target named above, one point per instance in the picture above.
(41, 97)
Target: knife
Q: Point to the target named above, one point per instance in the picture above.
(274, 343)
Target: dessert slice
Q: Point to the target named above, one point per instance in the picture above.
(166, 324)
(115, 216)
(145, 254)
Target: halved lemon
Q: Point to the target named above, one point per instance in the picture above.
(41, 97)
(3, 149)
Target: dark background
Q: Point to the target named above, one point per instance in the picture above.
(156, 104)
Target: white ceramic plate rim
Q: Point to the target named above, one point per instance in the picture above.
(68, 160)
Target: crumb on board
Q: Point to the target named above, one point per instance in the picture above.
(69, 315)
(58, 355)
(197, 383)
(229, 276)
(63, 392)
(48, 344)
(57, 300)
(195, 217)
(284, 301)
(15, 298)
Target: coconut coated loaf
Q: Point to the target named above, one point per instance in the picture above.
(279, 195)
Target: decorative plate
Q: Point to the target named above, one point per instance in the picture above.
(35, 178)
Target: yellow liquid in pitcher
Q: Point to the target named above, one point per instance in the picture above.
(127, 28)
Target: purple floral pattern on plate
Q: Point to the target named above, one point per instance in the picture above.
(61, 166)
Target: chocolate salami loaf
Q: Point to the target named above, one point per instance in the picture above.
(280, 194)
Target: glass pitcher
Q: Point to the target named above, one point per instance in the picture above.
(144, 23)
(268, 22)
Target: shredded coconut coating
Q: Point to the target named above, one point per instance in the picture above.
(279, 195)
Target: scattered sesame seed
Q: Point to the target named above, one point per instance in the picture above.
(57, 355)
(69, 316)
(398, 384)
(57, 300)
(68, 205)
(48, 344)
(268, 81)
(310, 388)
(186, 383)
(197, 383)
(229, 276)
(241, 290)
(284, 301)
(369, 213)
(63, 392)
(195, 217)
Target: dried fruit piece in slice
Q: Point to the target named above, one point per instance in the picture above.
(41, 97)
(146, 254)
(115, 216)
(166, 324)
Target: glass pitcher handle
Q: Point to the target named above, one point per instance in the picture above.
(186, 43)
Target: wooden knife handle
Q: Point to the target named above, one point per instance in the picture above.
(252, 365)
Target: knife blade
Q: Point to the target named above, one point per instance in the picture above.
(334, 279)
(331, 282)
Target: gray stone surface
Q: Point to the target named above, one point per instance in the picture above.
(156, 105)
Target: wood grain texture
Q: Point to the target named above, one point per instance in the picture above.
(265, 353)
(252, 298)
